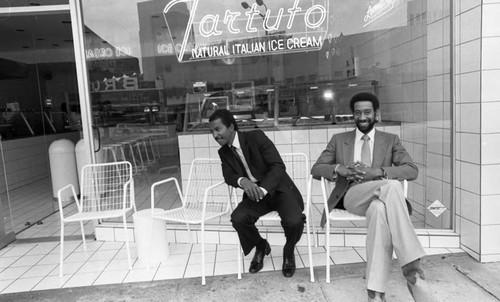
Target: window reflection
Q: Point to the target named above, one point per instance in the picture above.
(150, 69)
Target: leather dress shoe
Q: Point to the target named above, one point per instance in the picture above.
(375, 296)
(258, 259)
(419, 289)
(288, 268)
(376, 299)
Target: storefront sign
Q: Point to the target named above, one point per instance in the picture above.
(378, 10)
(127, 83)
(127, 98)
(107, 53)
(232, 29)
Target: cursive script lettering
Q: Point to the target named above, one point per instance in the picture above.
(378, 10)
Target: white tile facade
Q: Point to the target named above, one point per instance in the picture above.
(477, 128)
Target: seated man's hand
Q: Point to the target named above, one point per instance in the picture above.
(366, 173)
(359, 172)
(252, 189)
(351, 172)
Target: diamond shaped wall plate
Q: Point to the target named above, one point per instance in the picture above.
(437, 208)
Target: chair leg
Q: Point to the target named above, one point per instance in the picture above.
(327, 234)
(83, 236)
(203, 281)
(238, 248)
(310, 205)
(315, 235)
(314, 231)
(138, 148)
(132, 196)
(126, 242)
(113, 153)
(61, 251)
(309, 250)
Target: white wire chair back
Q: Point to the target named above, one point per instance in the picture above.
(297, 167)
(204, 173)
(106, 187)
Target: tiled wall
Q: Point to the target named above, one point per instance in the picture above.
(490, 132)
(413, 76)
(438, 114)
(477, 128)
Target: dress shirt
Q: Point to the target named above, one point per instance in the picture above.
(358, 144)
(236, 144)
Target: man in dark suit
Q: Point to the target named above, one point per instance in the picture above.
(250, 161)
(367, 166)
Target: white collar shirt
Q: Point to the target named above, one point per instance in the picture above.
(358, 144)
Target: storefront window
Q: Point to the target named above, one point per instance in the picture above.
(38, 97)
(163, 66)
(22, 3)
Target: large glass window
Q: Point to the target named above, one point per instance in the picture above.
(159, 68)
(23, 3)
(38, 105)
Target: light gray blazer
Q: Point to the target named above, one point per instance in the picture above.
(388, 154)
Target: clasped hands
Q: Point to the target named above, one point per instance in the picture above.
(253, 191)
(359, 172)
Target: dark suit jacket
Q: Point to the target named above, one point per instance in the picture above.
(264, 162)
(388, 153)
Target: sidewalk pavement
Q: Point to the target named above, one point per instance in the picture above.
(452, 277)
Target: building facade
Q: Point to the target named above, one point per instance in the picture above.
(159, 68)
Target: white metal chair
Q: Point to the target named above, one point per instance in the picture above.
(297, 166)
(206, 197)
(106, 191)
(338, 215)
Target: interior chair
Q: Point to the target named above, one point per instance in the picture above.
(106, 191)
(297, 166)
(339, 215)
(206, 197)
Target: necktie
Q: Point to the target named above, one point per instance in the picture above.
(238, 159)
(365, 151)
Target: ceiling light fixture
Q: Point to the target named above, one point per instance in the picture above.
(328, 94)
